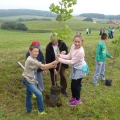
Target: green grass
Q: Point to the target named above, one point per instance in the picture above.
(75, 24)
(99, 103)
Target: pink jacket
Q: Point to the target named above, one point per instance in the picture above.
(73, 57)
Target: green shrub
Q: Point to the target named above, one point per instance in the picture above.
(88, 19)
(14, 25)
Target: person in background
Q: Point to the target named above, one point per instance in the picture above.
(54, 47)
(87, 31)
(79, 68)
(109, 33)
(101, 54)
(29, 79)
(112, 32)
(90, 30)
(101, 32)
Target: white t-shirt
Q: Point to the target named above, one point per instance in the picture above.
(113, 30)
(87, 30)
(56, 50)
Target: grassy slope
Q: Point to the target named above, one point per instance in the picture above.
(101, 103)
(75, 24)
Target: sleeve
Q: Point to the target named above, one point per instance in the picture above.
(68, 56)
(42, 57)
(98, 53)
(47, 55)
(108, 55)
(65, 56)
(74, 59)
(34, 64)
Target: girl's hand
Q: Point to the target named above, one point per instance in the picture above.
(57, 57)
(63, 52)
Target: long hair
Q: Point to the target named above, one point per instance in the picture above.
(79, 36)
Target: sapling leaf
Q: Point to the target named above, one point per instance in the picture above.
(63, 11)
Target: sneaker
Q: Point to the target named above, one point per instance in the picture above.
(34, 96)
(96, 84)
(71, 100)
(65, 94)
(42, 113)
(102, 80)
(28, 111)
(75, 102)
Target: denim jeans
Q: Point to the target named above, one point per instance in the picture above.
(31, 88)
(99, 72)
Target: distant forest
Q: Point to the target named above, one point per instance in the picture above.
(14, 12)
(101, 16)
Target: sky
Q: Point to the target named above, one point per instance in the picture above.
(106, 7)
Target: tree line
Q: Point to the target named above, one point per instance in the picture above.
(14, 12)
(101, 16)
(33, 19)
(14, 26)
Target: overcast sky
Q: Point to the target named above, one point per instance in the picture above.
(107, 7)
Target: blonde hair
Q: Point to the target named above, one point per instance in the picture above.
(79, 36)
(78, 33)
(53, 36)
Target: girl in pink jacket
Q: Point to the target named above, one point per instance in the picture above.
(79, 68)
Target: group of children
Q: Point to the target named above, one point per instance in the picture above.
(110, 32)
(79, 69)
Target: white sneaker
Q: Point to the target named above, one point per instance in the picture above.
(96, 84)
(34, 96)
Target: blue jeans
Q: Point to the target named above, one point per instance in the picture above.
(99, 72)
(31, 88)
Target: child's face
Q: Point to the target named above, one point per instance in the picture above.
(78, 42)
(34, 53)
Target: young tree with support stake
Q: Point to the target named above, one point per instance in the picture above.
(63, 11)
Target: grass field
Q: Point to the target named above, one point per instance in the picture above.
(99, 103)
(77, 25)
